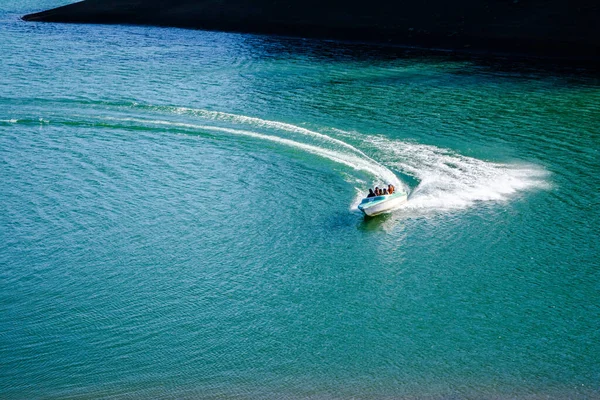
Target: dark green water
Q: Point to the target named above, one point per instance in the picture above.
(178, 219)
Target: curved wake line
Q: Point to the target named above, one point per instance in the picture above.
(384, 173)
(352, 161)
(222, 116)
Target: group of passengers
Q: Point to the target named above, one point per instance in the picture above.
(381, 192)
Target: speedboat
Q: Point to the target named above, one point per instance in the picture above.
(372, 206)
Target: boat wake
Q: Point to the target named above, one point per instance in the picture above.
(444, 179)
(435, 178)
(448, 180)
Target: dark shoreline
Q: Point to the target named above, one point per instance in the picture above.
(565, 33)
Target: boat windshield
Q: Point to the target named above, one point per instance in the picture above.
(376, 198)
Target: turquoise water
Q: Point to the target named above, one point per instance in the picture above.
(178, 219)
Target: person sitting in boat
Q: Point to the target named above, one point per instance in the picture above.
(371, 193)
(376, 191)
(391, 189)
(385, 192)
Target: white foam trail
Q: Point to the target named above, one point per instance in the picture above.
(383, 173)
(9, 121)
(263, 123)
(449, 180)
(351, 160)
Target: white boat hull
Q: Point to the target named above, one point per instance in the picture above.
(381, 204)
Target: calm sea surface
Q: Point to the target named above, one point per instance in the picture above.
(178, 219)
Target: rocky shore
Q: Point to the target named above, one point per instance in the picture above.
(552, 28)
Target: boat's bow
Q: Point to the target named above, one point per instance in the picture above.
(372, 206)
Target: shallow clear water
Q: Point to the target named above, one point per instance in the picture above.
(178, 219)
